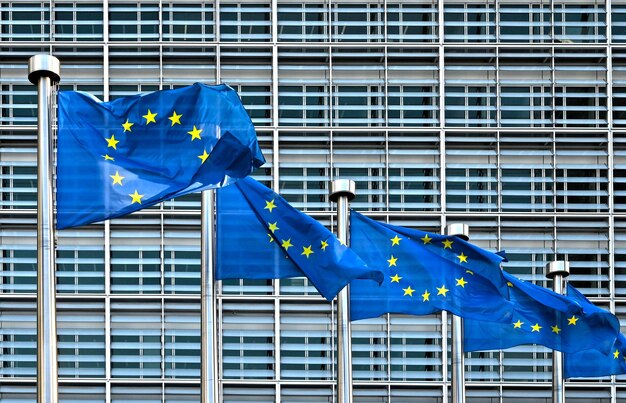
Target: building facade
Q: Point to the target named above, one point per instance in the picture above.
(507, 115)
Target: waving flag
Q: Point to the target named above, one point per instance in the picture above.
(261, 236)
(543, 317)
(425, 273)
(121, 156)
(594, 363)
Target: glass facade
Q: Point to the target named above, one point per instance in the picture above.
(509, 116)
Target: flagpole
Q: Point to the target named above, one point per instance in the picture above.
(557, 271)
(341, 192)
(44, 71)
(458, 363)
(209, 382)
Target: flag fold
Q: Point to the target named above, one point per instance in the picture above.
(594, 363)
(541, 316)
(261, 236)
(121, 156)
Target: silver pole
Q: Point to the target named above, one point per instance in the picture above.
(44, 71)
(557, 271)
(458, 360)
(341, 192)
(209, 389)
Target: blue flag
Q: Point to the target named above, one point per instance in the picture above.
(425, 273)
(121, 156)
(594, 363)
(261, 236)
(541, 316)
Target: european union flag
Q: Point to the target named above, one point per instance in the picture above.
(594, 363)
(261, 236)
(541, 316)
(425, 273)
(121, 156)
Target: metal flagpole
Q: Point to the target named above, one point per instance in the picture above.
(557, 271)
(341, 192)
(209, 389)
(44, 71)
(458, 363)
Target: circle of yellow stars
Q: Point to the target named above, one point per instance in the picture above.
(149, 118)
(426, 295)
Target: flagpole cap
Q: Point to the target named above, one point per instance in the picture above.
(458, 230)
(342, 187)
(558, 267)
(43, 65)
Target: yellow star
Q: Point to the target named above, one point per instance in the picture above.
(111, 142)
(107, 157)
(426, 296)
(286, 244)
(127, 126)
(518, 324)
(395, 240)
(150, 117)
(447, 244)
(555, 329)
(462, 258)
(426, 239)
(175, 118)
(536, 327)
(307, 251)
(443, 290)
(136, 197)
(392, 261)
(195, 133)
(408, 291)
(273, 226)
(469, 272)
(324, 245)
(203, 157)
(395, 279)
(269, 205)
(117, 178)
(616, 354)
(461, 282)
(572, 320)
(509, 284)
(271, 238)
(342, 242)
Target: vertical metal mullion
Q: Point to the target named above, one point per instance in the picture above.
(160, 16)
(386, 118)
(107, 309)
(498, 91)
(276, 187)
(384, 28)
(610, 163)
(51, 32)
(442, 185)
(107, 224)
(331, 108)
(217, 30)
(331, 92)
(162, 378)
(218, 284)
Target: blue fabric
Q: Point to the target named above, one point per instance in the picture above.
(261, 236)
(419, 268)
(594, 363)
(560, 323)
(149, 146)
